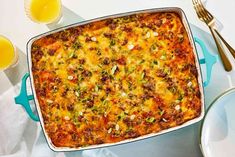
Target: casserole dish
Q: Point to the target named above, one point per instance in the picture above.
(57, 146)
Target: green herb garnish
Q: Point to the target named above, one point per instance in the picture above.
(121, 116)
(154, 47)
(105, 102)
(150, 119)
(72, 54)
(113, 70)
(142, 61)
(77, 45)
(131, 70)
(155, 62)
(142, 75)
(161, 112)
(112, 42)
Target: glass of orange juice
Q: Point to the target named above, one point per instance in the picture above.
(8, 54)
(43, 11)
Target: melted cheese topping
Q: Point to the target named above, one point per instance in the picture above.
(115, 79)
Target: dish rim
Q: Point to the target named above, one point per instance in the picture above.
(185, 23)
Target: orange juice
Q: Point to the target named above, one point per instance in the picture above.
(7, 53)
(44, 11)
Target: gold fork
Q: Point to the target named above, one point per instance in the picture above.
(232, 51)
(206, 17)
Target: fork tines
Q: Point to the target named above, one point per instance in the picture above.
(202, 12)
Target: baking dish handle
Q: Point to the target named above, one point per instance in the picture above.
(23, 99)
(208, 59)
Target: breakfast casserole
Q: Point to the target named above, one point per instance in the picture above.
(115, 79)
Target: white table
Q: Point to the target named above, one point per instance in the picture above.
(19, 29)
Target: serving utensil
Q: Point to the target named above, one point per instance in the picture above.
(209, 19)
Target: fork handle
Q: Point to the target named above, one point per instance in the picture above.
(231, 50)
(224, 58)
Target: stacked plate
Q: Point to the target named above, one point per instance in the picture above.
(218, 127)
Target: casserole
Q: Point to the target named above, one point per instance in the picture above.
(57, 147)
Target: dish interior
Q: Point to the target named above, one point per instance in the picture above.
(116, 79)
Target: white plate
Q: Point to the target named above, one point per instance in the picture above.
(218, 128)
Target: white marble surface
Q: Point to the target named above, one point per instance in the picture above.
(17, 27)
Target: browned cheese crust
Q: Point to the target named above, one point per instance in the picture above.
(115, 79)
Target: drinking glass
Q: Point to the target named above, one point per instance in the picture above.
(8, 54)
(43, 11)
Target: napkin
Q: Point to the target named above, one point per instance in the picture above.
(13, 121)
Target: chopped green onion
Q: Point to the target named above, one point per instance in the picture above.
(112, 42)
(77, 93)
(173, 89)
(129, 129)
(98, 53)
(150, 119)
(94, 108)
(71, 55)
(77, 45)
(99, 65)
(80, 68)
(163, 57)
(142, 75)
(121, 116)
(114, 69)
(154, 47)
(105, 102)
(142, 61)
(80, 78)
(96, 88)
(155, 62)
(131, 70)
(181, 96)
(161, 112)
